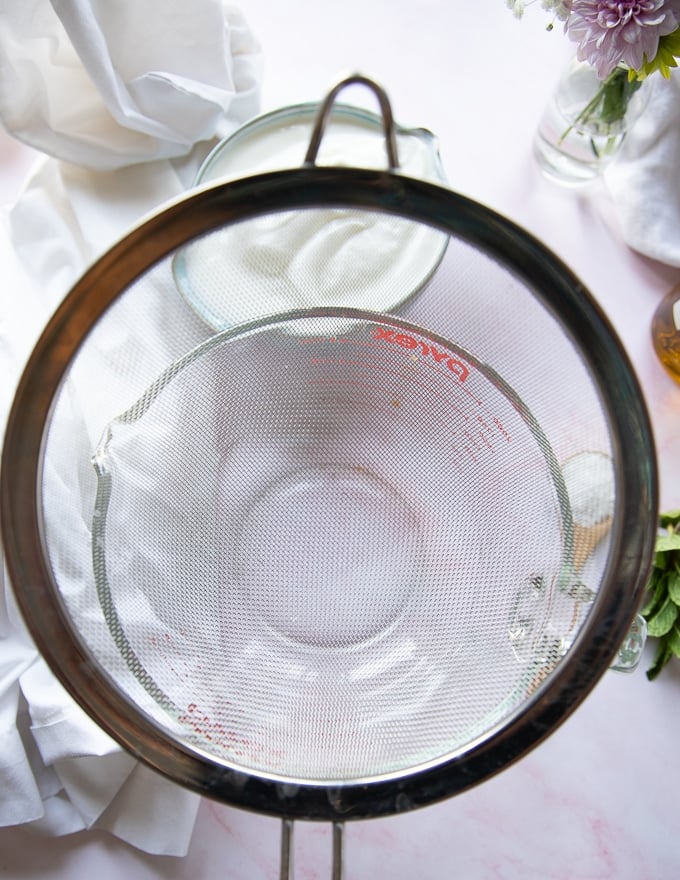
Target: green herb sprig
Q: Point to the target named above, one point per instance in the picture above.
(662, 610)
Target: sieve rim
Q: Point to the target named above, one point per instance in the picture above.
(558, 289)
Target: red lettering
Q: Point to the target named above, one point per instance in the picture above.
(500, 427)
(439, 356)
(383, 333)
(405, 341)
(457, 367)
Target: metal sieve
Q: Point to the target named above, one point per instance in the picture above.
(333, 561)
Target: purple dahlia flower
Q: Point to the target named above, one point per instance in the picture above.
(612, 31)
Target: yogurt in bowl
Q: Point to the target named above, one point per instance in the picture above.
(310, 257)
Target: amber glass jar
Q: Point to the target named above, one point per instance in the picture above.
(666, 332)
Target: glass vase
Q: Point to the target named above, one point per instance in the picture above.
(585, 122)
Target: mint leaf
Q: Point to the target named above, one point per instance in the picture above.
(673, 640)
(663, 620)
(669, 518)
(664, 543)
(662, 656)
(673, 578)
(660, 560)
(654, 603)
(662, 608)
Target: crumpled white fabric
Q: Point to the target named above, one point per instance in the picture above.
(104, 84)
(644, 181)
(106, 87)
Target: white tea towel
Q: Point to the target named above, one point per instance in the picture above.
(103, 84)
(59, 773)
(107, 88)
(644, 181)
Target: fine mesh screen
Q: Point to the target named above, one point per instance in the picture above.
(333, 544)
(302, 259)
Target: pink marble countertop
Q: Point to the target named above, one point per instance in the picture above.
(598, 799)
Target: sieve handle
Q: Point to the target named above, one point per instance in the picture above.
(286, 861)
(385, 109)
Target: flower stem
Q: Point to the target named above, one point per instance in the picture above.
(609, 103)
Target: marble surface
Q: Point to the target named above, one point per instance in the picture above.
(598, 799)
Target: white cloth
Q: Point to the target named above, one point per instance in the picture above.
(644, 181)
(104, 84)
(106, 87)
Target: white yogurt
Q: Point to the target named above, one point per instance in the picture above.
(310, 257)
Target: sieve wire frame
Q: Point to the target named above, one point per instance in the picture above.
(560, 292)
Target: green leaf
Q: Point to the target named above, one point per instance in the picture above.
(667, 52)
(670, 518)
(662, 656)
(673, 578)
(673, 640)
(664, 543)
(658, 595)
(662, 609)
(663, 620)
(660, 561)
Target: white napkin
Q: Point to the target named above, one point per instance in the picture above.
(104, 84)
(644, 181)
(105, 87)
(59, 773)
